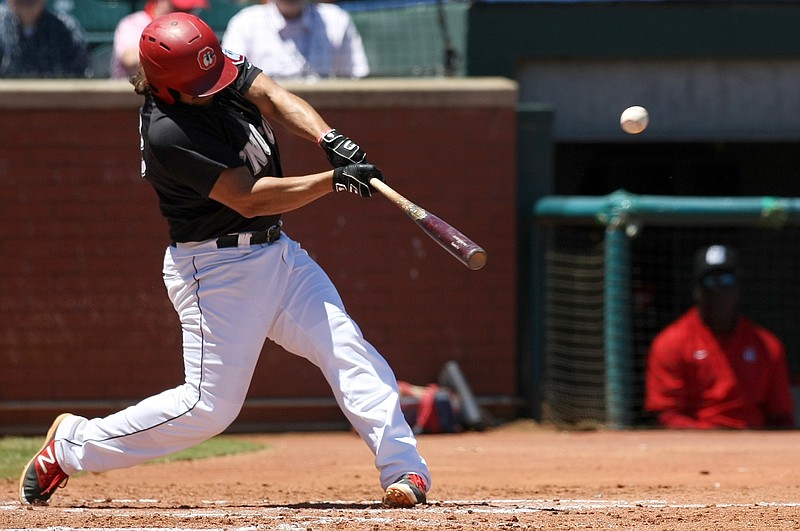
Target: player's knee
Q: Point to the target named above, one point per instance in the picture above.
(216, 415)
(209, 414)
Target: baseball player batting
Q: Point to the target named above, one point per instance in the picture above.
(233, 275)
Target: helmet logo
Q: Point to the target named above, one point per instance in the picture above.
(207, 58)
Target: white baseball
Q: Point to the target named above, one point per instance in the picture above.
(634, 120)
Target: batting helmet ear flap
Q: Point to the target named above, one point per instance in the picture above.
(166, 94)
(169, 95)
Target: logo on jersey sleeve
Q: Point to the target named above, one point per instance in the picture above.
(235, 57)
(206, 58)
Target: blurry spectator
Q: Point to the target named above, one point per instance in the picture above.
(298, 39)
(714, 367)
(38, 43)
(125, 58)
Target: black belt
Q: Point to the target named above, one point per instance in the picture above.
(270, 235)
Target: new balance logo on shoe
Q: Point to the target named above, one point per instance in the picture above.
(45, 458)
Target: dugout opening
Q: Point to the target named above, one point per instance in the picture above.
(672, 168)
(657, 258)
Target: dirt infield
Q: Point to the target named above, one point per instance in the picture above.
(520, 476)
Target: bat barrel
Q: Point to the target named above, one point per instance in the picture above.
(464, 249)
(468, 252)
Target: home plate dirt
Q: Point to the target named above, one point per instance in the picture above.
(519, 476)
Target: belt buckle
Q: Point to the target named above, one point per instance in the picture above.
(274, 232)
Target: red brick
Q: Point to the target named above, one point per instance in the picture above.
(84, 313)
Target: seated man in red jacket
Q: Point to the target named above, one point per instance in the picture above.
(714, 367)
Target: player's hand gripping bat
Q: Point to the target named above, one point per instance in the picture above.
(465, 250)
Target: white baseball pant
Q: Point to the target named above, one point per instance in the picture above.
(229, 301)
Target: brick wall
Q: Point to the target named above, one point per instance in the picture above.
(85, 323)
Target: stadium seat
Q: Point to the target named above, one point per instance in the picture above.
(409, 40)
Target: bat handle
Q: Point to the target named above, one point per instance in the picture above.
(411, 209)
(379, 185)
(388, 191)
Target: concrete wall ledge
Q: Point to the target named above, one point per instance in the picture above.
(488, 92)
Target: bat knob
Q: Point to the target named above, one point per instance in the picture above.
(477, 259)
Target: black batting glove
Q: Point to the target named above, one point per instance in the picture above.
(340, 150)
(355, 178)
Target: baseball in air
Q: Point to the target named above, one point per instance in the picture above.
(634, 120)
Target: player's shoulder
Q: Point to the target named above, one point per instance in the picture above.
(248, 72)
(672, 333)
(167, 124)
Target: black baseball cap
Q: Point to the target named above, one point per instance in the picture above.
(715, 259)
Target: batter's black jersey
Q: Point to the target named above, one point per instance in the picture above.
(185, 148)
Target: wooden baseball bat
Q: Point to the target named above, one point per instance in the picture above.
(465, 250)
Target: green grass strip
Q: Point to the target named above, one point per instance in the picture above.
(15, 452)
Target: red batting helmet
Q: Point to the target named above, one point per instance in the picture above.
(179, 51)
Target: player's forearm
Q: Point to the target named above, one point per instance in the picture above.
(267, 196)
(271, 195)
(291, 111)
